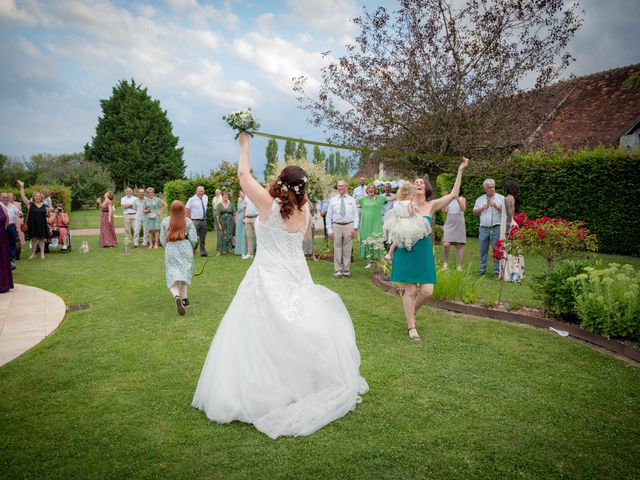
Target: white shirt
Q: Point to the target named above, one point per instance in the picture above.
(195, 204)
(138, 206)
(359, 192)
(491, 216)
(128, 200)
(333, 213)
(250, 210)
(12, 213)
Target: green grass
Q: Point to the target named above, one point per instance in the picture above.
(82, 219)
(108, 396)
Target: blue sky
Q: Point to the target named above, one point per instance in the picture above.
(202, 59)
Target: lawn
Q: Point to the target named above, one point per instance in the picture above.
(108, 396)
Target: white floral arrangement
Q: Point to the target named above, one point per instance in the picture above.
(243, 121)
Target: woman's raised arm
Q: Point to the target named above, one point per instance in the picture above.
(252, 189)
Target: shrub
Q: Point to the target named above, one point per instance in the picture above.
(608, 300)
(556, 292)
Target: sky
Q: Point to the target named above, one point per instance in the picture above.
(203, 59)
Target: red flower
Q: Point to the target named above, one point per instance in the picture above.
(520, 218)
(513, 232)
(498, 250)
(541, 234)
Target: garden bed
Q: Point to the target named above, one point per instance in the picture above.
(528, 316)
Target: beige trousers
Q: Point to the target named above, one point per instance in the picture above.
(250, 226)
(342, 246)
(129, 223)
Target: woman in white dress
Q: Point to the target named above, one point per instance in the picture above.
(284, 357)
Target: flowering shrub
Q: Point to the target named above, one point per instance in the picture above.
(608, 300)
(551, 238)
(555, 287)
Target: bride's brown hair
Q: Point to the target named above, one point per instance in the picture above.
(290, 188)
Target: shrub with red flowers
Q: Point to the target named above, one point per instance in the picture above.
(552, 238)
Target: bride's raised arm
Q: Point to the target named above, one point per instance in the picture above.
(249, 185)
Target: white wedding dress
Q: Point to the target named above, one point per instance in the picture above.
(284, 357)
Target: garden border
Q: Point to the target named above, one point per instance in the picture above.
(615, 346)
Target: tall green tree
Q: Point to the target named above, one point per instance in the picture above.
(289, 150)
(318, 156)
(329, 165)
(134, 139)
(272, 158)
(301, 152)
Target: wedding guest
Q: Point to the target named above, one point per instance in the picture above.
(241, 231)
(196, 209)
(12, 232)
(129, 213)
(6, 276)
(225, 219)
(46, 198)
(141, 219)
(455, 232)
(489, 208)
(360, 191)
(405, 226)
(178, 236)
(21, 240)
(417, 266)
(217, 198)
(342, 226)
(59, 224)
(370, 223)
(154, 207)
(324, 206)
(390, 196)
(308, 244)
(512, 203)
(250, 215)
(108, 237)
(36, 220)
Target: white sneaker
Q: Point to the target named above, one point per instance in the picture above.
(337, 274)
(247, 256)
(388, 256)
(369, 265)
(445, 266)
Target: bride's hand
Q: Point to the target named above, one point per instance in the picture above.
(464, 163)
(244, 139)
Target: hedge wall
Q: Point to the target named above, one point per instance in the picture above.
(600, 186)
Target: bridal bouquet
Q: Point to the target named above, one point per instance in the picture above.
(243, 121)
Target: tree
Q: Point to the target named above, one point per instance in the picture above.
(435, 79)
(272, 158)
(134, 139)
(301, 152)
(318, 156)
(329, 165)
(11, 170)
(289, 150)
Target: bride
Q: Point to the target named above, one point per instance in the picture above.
(284, 357)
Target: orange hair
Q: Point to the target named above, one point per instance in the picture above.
(177, 222)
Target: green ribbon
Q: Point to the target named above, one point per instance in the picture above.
(349, 147)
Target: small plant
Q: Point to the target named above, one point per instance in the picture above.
(551, 238)
(557, 292)
(514, 306)
(488, 303)
(455, 285)
(608, 300)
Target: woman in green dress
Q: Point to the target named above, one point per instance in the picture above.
(370, 223)
(226, 221)
(417, 266)
(154, 207)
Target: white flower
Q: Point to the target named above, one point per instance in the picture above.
(285, 188)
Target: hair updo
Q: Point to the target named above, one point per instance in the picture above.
(290, 188)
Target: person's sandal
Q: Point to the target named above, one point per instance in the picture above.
(415, 337)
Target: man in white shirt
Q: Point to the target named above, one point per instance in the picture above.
(249, 216)
(197, 210)
(129, 214)
(360, 191)
(489, 208)
(138, 206)
(342, 226)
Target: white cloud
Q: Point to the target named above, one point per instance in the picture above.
(182, 4)
(330, 15)
(147, 11)
(279, 59)
(265, 22)
(10, 13)
(23, 58)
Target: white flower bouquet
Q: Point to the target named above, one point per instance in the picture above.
(243, 121)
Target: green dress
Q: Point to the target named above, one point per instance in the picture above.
(370, 223)
(416, 265)
(226, 218)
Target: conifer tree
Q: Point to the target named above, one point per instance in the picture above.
(272, 158)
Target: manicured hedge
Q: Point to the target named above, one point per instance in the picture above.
(599, 186)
